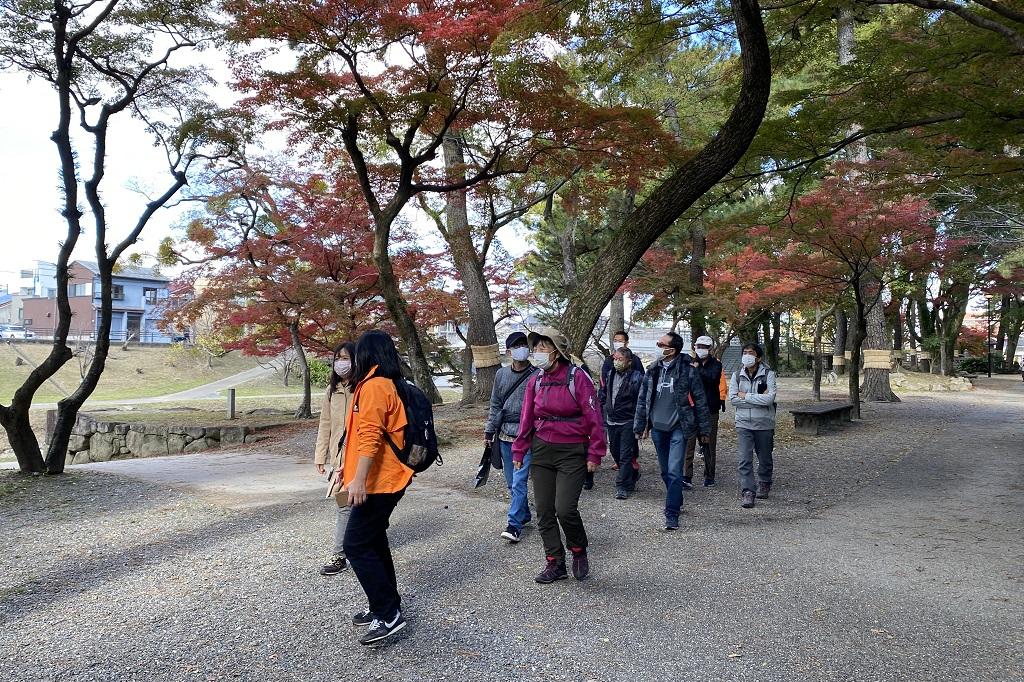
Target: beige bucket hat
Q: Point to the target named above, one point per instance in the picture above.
(556, 337)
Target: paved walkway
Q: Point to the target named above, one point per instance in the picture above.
(890, 551)
(208, 391)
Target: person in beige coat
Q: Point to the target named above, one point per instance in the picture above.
(330, 438)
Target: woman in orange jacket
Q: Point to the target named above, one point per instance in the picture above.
(375, 480)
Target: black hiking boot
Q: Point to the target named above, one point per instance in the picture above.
(748, 499)
(555, 570)
(762, 490)
(336, 566)
(580, 564)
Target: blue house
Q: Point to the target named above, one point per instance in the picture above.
(138, 298)
(138, 294)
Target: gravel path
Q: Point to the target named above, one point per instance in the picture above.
(890, 551)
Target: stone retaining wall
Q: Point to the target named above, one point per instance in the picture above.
(100, 441)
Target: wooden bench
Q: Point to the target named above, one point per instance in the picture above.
(817, 417)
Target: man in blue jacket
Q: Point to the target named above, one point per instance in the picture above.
(618, 396)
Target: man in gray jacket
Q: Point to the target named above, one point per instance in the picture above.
(672, 407)
(752, 392)
(503, 421)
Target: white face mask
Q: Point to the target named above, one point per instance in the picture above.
(342, 368)
(702, 353)
(618, 345)
(520, 354)
(542, 359)
(748, 360)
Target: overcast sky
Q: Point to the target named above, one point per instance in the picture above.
(30, 223)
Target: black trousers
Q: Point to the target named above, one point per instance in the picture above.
(558, 471)
(367, 550)
(624, 448)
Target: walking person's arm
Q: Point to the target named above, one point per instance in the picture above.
(700, 406)
(592, 421)
(526, 426)
(323, 434)
(377, 398)
(494, 416)
(734, 391)
(766, 398)
(357, 487)
(640, 415)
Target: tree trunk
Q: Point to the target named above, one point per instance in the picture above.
(876, 378)
(748, 332)
(1011, 345)
(398, 308)
(699, 247)
(897, 330)
(470, 264)
(854, 339)
(911, 324)
(469, 394)
(1003, 320)
(949, 319)
(305, 408)
(680, 190)
(22, 438)
(839, 342)
(67, 409)
(819, 360)
(15, 418)
(773, 339)
(1014, 326)
(617, 316)
(567, 242)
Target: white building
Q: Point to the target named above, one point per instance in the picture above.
(40, 281)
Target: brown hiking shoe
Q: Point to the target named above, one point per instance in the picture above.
(762, 490)
(748, 499)
(555, 570)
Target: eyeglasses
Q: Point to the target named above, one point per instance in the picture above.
(701, 345)
(662, 345)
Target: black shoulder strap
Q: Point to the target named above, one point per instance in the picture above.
(519, 382)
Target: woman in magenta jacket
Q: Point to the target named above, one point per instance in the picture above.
(561, 424)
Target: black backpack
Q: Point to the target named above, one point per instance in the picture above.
(420, 449)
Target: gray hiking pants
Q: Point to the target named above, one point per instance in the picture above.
(760, 442)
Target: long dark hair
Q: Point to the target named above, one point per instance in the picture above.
(349, 348)
(376, 348)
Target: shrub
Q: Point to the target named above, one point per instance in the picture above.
(319, 372)
(974, 365)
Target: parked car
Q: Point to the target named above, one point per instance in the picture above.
(10, 331)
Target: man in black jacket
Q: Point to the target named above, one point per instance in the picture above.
(619, 340)
(618, 396)
(715, 389)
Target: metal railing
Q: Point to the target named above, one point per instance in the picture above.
(89, 335)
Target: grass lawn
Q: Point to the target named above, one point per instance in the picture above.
(137, 373)
(272, 385)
